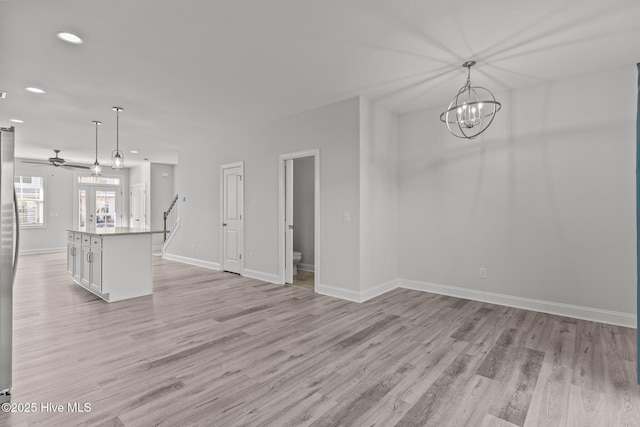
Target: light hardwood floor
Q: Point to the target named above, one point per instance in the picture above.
(217, 349)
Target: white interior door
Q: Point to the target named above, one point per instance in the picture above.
(288, 221)
(232, 222)
(138, 206)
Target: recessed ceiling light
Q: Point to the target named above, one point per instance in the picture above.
(34, 89)
(134, 151)
(69, 37)
(16, 120)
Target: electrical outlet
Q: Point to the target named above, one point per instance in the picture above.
(193, 248)
(347, 216)
(250, 255)
(483, 273)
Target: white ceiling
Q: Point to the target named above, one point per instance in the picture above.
(187, 70)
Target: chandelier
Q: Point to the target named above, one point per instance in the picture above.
(472, 110)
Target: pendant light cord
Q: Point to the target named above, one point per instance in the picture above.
(118, 130)
(96, 141)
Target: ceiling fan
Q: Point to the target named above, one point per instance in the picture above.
(56, 161)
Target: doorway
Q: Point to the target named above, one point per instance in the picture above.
(138, 205)
(98, 207)
(300, 219)
(231, 215)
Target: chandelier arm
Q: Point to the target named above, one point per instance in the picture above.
(474, 108)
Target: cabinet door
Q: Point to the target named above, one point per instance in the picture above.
(77, 261)
(85, 276)
(96, 270)
(70, 258)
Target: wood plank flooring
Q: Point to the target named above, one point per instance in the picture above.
(217, 349)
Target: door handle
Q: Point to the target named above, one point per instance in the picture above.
(290, 227)
(224, 224)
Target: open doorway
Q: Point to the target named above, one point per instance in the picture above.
(299, 219)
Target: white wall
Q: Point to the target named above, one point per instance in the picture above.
(303, 210)
(378, 199)
(334, 130)
(58, 209)
(545, 199)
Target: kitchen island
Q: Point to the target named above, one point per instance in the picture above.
(113, 263)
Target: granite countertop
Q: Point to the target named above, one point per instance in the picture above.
(113, 231)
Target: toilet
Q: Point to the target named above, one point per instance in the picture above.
(297, 256)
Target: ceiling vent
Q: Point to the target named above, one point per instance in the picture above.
(3, 94)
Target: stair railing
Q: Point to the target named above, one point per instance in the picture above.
(170, 217)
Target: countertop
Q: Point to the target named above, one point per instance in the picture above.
(112, 231)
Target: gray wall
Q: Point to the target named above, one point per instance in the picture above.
(58, 209)
(544, 200)
(378, 199)
(334, 130)
(303, 210)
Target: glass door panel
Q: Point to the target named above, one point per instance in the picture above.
(82, 208)
(105, 207)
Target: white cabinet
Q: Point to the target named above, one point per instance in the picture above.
(74, 255)
(91, 272)
(77, 259)
(95, 259)
(86, 266)
(71, 259)
(113, 266)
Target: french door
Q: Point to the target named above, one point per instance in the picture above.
(99, 207)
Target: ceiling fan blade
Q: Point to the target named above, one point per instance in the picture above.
(35, 162)
(66, 165)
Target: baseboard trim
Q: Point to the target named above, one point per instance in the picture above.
(332, 291)
(378, 290)
(307, 267)
(42, 251)
(192, 261)
(578, 312)
(259, 275)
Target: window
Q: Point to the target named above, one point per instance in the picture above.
(30, 192)
(98, 180)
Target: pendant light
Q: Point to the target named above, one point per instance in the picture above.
(117, 158)
(96, 169)
(472, 110)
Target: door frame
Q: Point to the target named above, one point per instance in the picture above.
(144, 191)
(315, 153)
(241, 249)
(124, 200)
